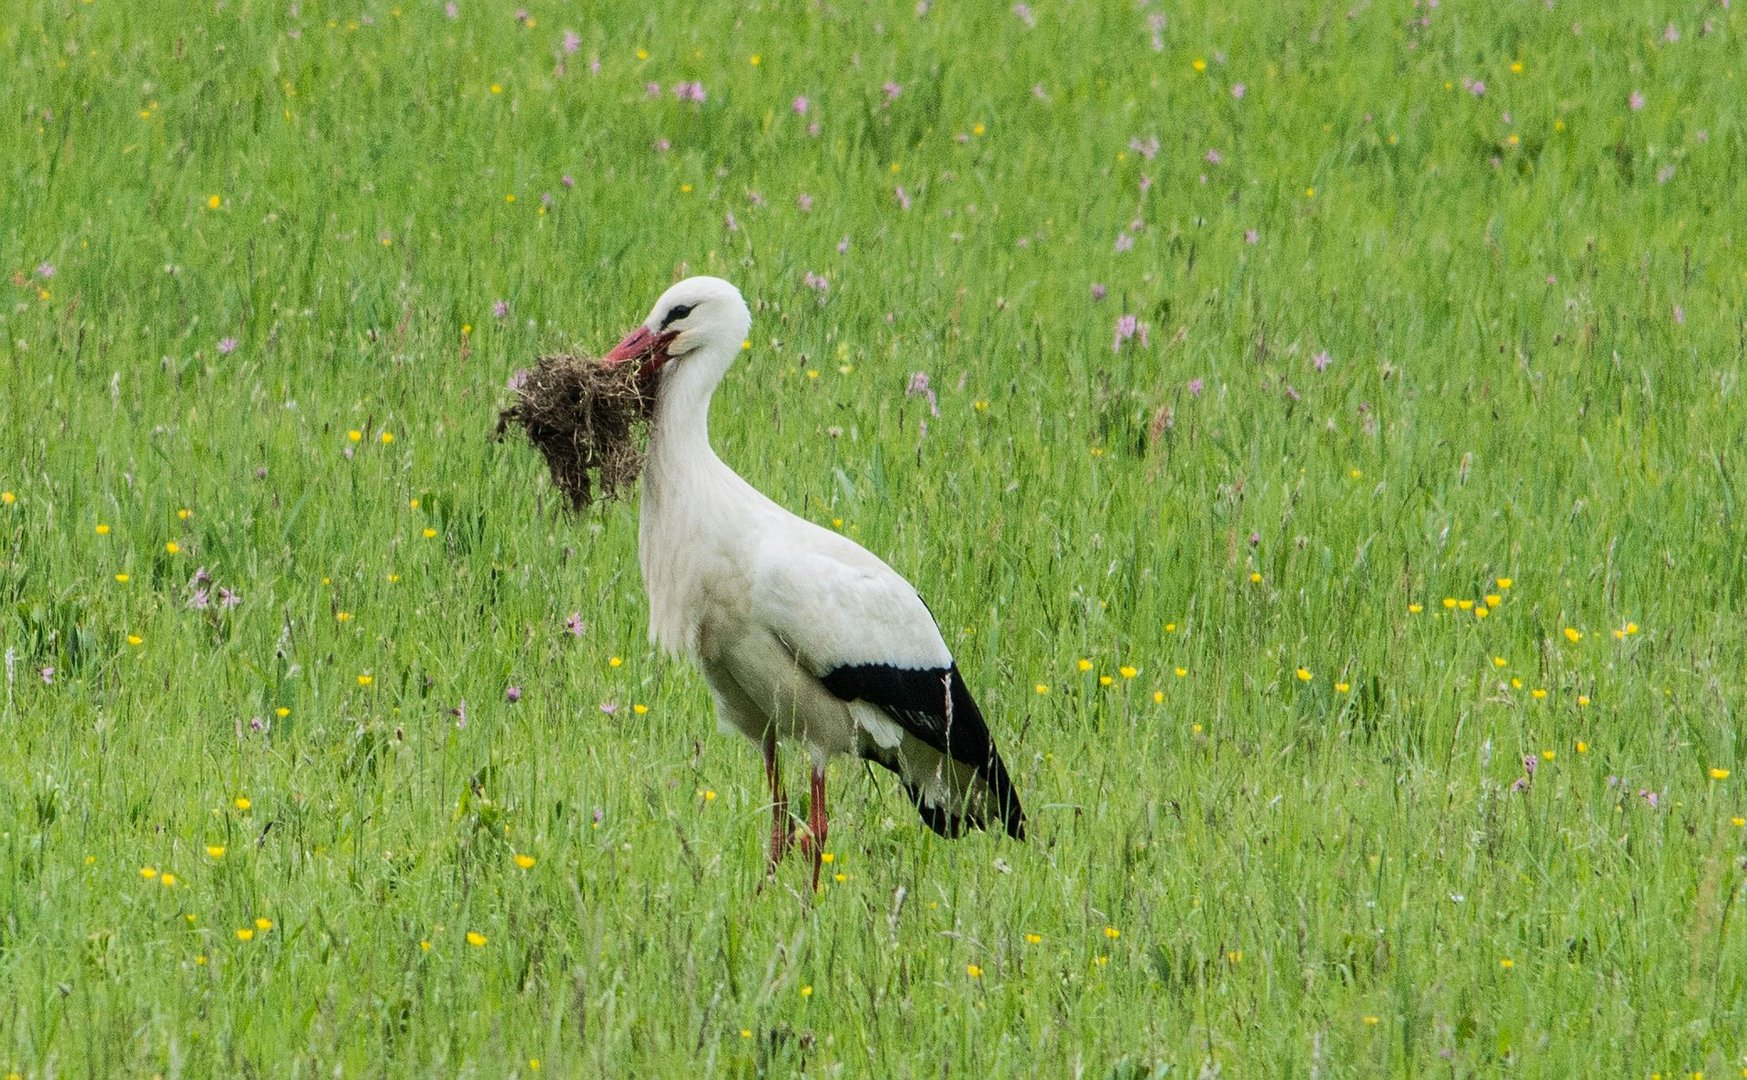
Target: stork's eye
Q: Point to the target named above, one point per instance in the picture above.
(676, 313)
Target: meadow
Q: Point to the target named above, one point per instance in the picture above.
(1319, 432)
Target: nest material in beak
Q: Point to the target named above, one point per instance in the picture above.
(590, 419)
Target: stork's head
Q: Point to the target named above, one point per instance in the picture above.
(696, 327)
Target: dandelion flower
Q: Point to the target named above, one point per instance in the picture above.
(366, 680)
(806, 991)
(1449, 603)
(245, 933)
(1085, 665)
(1504, 583)
(386, 437)
(134, 639)
(973, 971)
(1128, 672)
(1255, 577)
(1034, 939)
(1371, 1021)
(1538, 693)
(215, 851)
(1573, 635)
(167, 881)
(263, 924)
(639, 709)
(1493, 599)
(476, 939)
(1341, 687)
(241, 802)
(430, 534)
(1547, 755)
(1738, 821)
(614, 661)
(355, 435)
(1415, 609)
(1180, 672)
(1303, 675)
(828, 856)
(1112, 933)
(1507, 963)
(1041, 688)
(213, 202)
(1158, 697)
(1499, 661)
(526, 862)
(1105, 680)
(1719, 774)
(102, 529)
(1465, 605)
(1582, 700)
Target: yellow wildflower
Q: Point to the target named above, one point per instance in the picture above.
(526, 862)
(476, 939)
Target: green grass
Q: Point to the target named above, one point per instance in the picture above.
(1535, 373)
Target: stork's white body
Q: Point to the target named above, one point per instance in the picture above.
(802, 634)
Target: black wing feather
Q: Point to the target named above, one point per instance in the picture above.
(935, 706)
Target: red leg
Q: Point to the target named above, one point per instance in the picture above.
(816, 824)
(779, 806)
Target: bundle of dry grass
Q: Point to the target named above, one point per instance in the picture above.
(588, 418)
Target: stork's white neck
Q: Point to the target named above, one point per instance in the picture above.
(697, 515)
(679, 439)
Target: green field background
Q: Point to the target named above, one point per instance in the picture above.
(1432, 304)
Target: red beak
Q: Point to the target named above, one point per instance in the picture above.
(636, 345)
(645, 345)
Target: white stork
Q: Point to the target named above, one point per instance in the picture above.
(800, 632)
